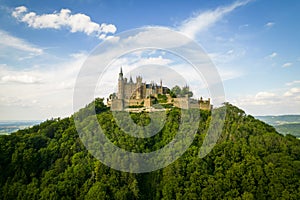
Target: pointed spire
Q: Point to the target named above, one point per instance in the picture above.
(130, 79)
(121, 74)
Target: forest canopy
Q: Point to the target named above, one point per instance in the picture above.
(250, 161)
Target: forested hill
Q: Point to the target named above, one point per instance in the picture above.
(250, 161)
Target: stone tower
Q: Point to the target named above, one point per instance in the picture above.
(121, 85)
(160, 89)
(139, 88)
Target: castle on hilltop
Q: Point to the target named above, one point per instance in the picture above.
(139, 95)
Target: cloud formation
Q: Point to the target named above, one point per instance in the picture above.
(64, 19)
(272, 55)
(292, 92)
(39, 93)
(17, 43)
(270, 24)
(293, 83)
(202, 21)
(288, 64)
(20, 78)
(272, 102)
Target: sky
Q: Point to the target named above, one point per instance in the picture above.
(254, 45)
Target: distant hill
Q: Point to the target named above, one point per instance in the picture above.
(292, 128)
(284, 124)
(7, 127)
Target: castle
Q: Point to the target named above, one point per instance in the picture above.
(139, 95)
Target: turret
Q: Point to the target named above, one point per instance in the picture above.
(139, 88)
(160, 90)
(121, 85)
(139, 80)
(121, 74)
(130, 80)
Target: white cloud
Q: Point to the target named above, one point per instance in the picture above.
(20, 78)
(224, 52)
(39, 93)
(264, 95)
(221, 60)
(243, 26)
(64, 19)
(293, 83)
(18, 11)
(270, 24)
(229, 74)
(10, 41)
(228, 56)
(258, 99)
(288, 64)
(202, 21)
(292, 92)
(282, 101)
(272, 55)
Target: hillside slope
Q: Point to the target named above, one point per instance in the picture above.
(250, 161)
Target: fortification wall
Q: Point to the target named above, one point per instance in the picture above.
(182, 102)
(117, 105)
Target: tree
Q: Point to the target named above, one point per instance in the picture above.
(176, 91)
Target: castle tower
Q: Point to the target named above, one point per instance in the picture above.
(121, 85)
(160, 89)
(139, 88)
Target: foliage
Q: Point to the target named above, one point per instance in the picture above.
(162, 98)
(250, 161)
(176, 91)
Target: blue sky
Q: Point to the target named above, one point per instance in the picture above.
(255, 46)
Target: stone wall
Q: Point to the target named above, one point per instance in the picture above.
(182, 102)
(117, 105)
